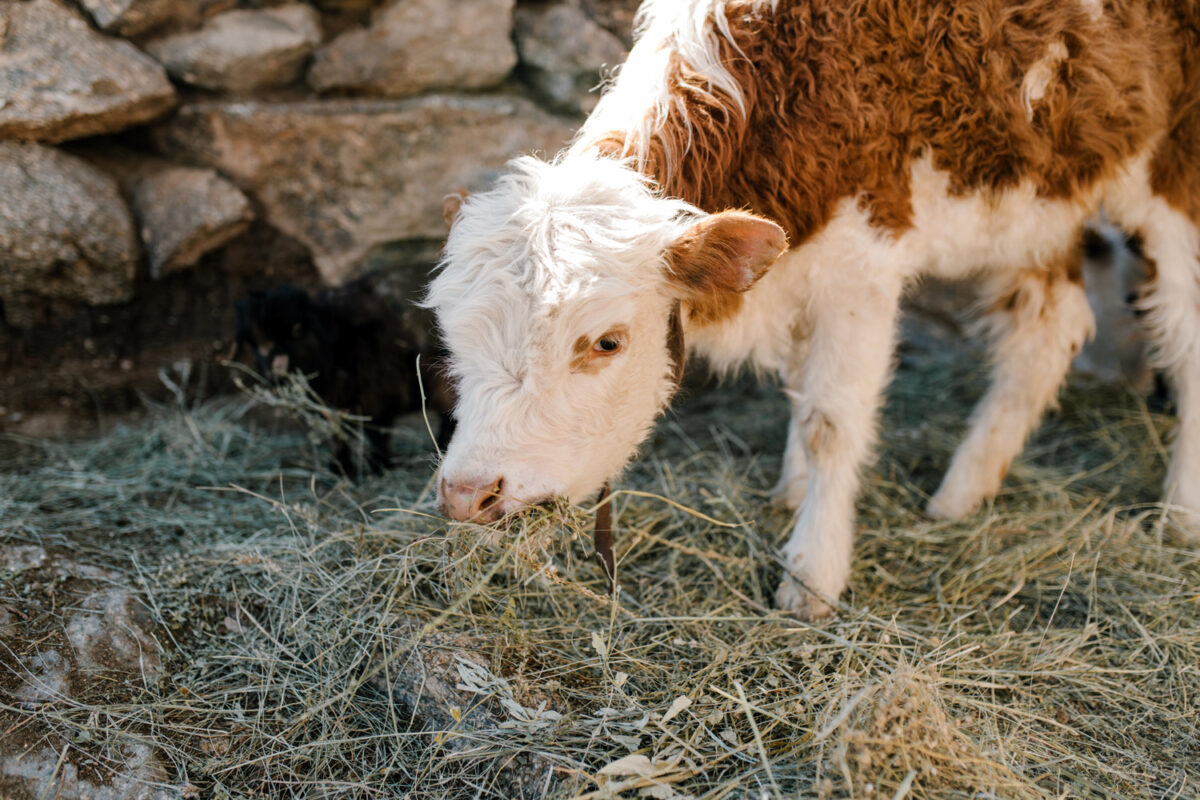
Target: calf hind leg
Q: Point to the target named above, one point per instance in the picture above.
(1039, 321)
(1172, 301)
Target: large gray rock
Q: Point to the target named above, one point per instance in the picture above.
(34, 774)
(184, 212)
(564, 53)
(64, 230)
(340, 6)
(615, 16)
(108, 633)
(352, 178)
(181, 212)
(135, 17)
(413, 46)
(131, 17)
(84, 633)
(242, 50)
(61, 80)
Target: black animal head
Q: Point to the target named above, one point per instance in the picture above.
(287, 332)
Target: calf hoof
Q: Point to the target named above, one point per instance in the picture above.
(946, 505)
(1187, 522)
(791, 596)
(1183, 495)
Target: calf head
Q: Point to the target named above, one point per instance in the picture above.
(555, 297)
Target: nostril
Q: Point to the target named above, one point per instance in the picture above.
(490, 498)
(481, 501)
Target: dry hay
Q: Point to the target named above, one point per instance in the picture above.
(326, 639)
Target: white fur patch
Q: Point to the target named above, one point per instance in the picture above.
(641, 98)
(1041, 74)
(953, 236)
(1094, 8)
(956, 236)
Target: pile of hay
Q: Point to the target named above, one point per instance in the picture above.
(331, 639)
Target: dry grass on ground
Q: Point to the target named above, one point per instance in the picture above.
(327, 639)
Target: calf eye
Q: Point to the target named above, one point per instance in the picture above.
(589, 355)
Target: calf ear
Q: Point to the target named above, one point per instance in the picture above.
(451, 203)
(725, 252)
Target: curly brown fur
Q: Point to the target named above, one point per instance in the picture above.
(841, 98)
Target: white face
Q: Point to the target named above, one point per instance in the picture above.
(554, 299)
(554, 402)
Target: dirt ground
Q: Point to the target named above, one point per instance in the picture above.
(68, 369)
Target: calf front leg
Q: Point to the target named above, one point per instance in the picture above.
(1039, 320)
(835, 396)
(793, 475)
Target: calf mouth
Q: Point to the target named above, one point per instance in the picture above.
(484, 502)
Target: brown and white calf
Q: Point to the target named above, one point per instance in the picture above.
(887, 139)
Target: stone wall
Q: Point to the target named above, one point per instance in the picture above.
(159, 157)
